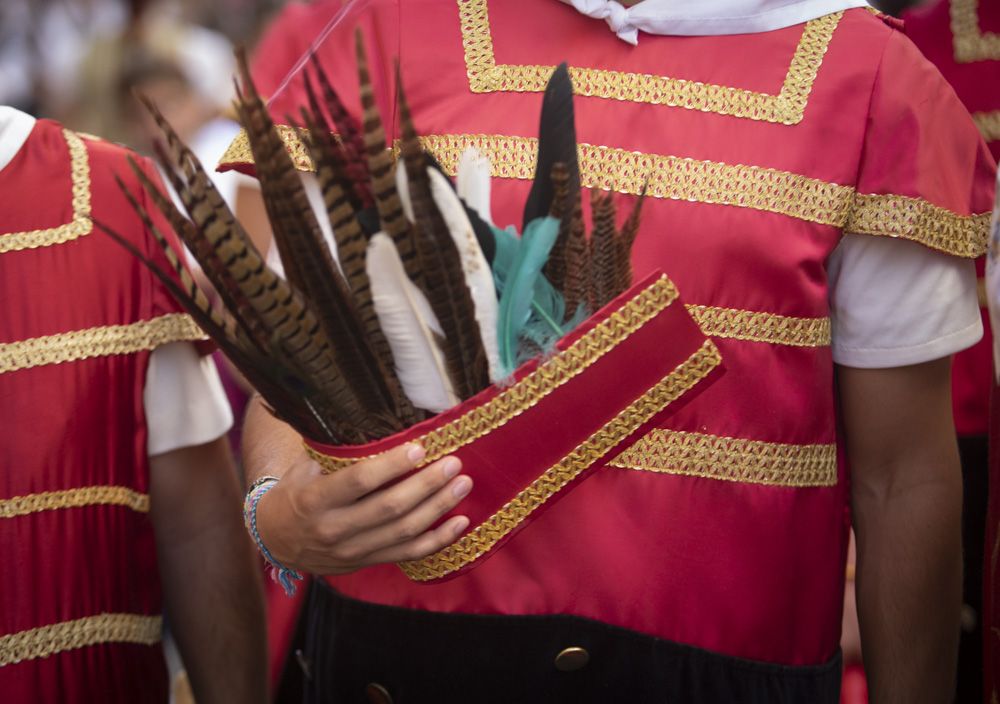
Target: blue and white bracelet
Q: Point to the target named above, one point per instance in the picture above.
(283, 575)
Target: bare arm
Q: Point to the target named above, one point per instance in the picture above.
(337, 523)
(210, 575)
(906, 491)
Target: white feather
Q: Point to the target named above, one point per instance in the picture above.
(473, 182)
(403, 188)
(410, 327)
(478, 275)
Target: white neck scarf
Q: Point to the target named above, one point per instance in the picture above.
(706, 17)
(15, 126)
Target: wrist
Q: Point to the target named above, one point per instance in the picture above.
(251, 505)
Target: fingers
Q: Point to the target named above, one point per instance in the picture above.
(424, 544)
(347, 485)
(410, 523)
(395, 502)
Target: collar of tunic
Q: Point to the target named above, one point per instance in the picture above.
(706, 17)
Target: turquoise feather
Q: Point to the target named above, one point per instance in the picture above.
(528, 308)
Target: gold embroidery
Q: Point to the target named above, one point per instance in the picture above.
(916, 219)
(970, 42)
(74, 498)
(988, 124)
(737, 185)
(239, 151)
(731, 459)
(483, 537)
(69, 635)
(80, 225)
(756, 326)
(786, 107)
(98, 342)
(549, 376)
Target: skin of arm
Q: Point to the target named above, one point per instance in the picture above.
(906, 493)
(210, 573)
(339, 522)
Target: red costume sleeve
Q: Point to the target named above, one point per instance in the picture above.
(921, 144)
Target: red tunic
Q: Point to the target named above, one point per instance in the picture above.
(951, 34)
(80, 603)
(726, 528)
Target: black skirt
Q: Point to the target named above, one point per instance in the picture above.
(360, 652)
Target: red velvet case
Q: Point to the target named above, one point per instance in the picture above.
(528, 443)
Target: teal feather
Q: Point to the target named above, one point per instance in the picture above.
(521, 295)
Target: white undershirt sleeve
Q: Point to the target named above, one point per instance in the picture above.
(184, 401)
(894, 302)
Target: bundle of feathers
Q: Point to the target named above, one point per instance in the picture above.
(425, 304)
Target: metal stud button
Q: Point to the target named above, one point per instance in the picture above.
(377, 694)
(571, 659)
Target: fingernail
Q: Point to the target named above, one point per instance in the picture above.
(462, 487)
(415, 453)
(461, 523)
(451, 467)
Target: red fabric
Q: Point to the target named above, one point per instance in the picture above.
(75, 425)
(991, 585)
(511, 457)
(854, 689)
(738, 568)
(975, 83)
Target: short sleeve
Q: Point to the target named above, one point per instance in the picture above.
(183, 398)
(895, 303)
(925, 174)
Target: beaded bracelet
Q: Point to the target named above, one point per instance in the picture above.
(283, 575)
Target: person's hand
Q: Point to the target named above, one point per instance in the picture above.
(337, 523)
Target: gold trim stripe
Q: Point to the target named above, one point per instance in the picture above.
(98, 342)
(549, 376)
(74, 498)
(988, 124)
(787, 107)
(483, 537)
(969, 41)
(756, 326)
(70, 635)
(731, 459)
(916, 219)
(692, 180)
(80, 225)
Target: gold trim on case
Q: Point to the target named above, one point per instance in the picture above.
(98, 342)
(681, 178)
(80, 225)
(970, 43)
(82, 632)
(74, 498)
(483, 537)
(758, 326)
(786, 107)
(731, 459)
(549, 376)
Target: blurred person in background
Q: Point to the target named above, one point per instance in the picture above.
(118, 497)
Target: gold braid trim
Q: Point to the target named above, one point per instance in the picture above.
(756, 326)
(483, 537)
(98, 342)
(988, 124)
(711, 182)
(80, 225)
(731, 459)
(916, 219)
(549, 376)
(74, 498)
(787, 107)
(969, 41)
(80, 633)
